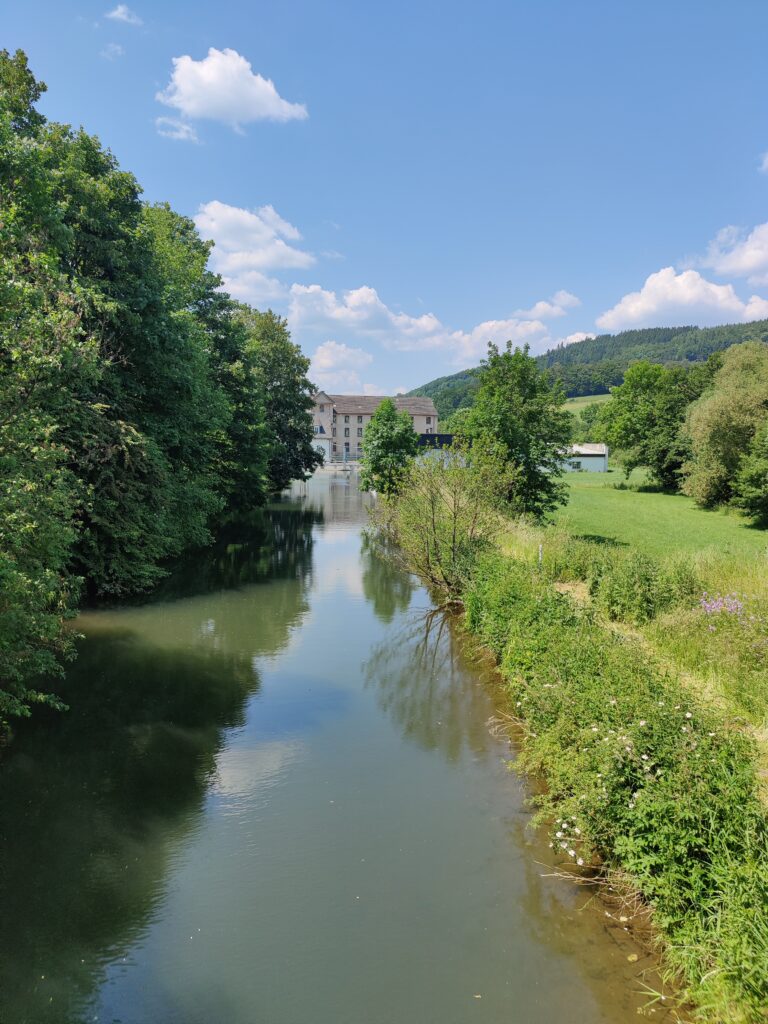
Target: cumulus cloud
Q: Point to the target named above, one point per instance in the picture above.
(735, 252)
(313, 308)
(570, 339)
(223, 87)
(123, 13)
(558, 305)
(172, 128)
(670, 298)
(112, 51)
(336, 366)
(248, 244)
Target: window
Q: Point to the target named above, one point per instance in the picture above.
(429, 418)
(346, 431)
(346, 446)
(359, 419)
(346, 419)
(334, 447)
(334, 431)
(429, 430)
(359, 431)
(322, 408)
(317, 429)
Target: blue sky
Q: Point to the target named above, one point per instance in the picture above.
(406, 181)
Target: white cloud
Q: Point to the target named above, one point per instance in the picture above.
(123, 13)
(671, 298)
(223, 87)
(248, 243)
(335, 368)
(112, 51)
(171, 128)
(764, 163)
(571, 339)
(735, 252)
(313, 308)
(558, 305)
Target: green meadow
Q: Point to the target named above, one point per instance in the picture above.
(659, 524)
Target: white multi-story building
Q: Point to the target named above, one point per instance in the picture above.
(339, 421)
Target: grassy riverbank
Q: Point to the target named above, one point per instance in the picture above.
(645, 777)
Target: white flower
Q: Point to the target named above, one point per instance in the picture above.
(580, 861)
(571, 853)
(688, 714)
(642, 722)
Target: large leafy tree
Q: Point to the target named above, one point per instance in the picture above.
(389, 445)
(722, 424)
(751, 485)
(281, 371)
(645, 414)
(518, 412)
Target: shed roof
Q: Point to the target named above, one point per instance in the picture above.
(589, 449)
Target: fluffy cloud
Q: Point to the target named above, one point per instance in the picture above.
(123, 13)
(313, 308)
(737, 253)
(335, 368)
(570, 339)
(668, 297)
(248, 243)
(764, 163)
(171, 128)
(223, 87)
(558, 305)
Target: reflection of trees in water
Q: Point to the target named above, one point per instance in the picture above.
(274, 543)
(425, 684)
(93, 802)
(388, 588)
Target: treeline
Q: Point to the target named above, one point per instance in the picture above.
(139, 404)
(595, 365)
(702, 430)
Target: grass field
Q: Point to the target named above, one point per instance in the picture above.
(575, 405)
(660, 524)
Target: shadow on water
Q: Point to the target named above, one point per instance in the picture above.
(388, 589)
(95, 802)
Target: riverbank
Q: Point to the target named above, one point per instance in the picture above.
(646, 780)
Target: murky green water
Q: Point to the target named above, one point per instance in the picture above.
(275, 800)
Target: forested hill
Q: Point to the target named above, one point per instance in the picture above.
(593, 366)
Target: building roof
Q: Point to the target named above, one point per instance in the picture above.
(366, 405)
(589, 449)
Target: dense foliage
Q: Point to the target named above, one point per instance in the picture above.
(519, 413)
(139, 404)
(389, 446)
(595, 365)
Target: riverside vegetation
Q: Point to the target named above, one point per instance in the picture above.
(640, 683)
(140, 405)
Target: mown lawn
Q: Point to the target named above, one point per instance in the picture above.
(659, 524)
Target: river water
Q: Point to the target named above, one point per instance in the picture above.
(276, 800)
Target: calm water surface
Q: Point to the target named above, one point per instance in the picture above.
(275, 800)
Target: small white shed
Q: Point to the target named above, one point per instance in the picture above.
(590, 458)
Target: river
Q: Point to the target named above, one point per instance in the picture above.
(276, 800)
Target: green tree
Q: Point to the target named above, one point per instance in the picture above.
(644, 416)
(751, 484)
(389, 446)
(721, 425)
(281, 371)
(521, 412)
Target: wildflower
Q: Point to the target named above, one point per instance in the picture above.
(571, 853)
(580, 861)
(688, 714)
(645, 757)
(642, 722)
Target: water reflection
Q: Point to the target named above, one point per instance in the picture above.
(423, 681)
(96, 802)
(387, 588)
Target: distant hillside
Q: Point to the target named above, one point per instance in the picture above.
(593, 366)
